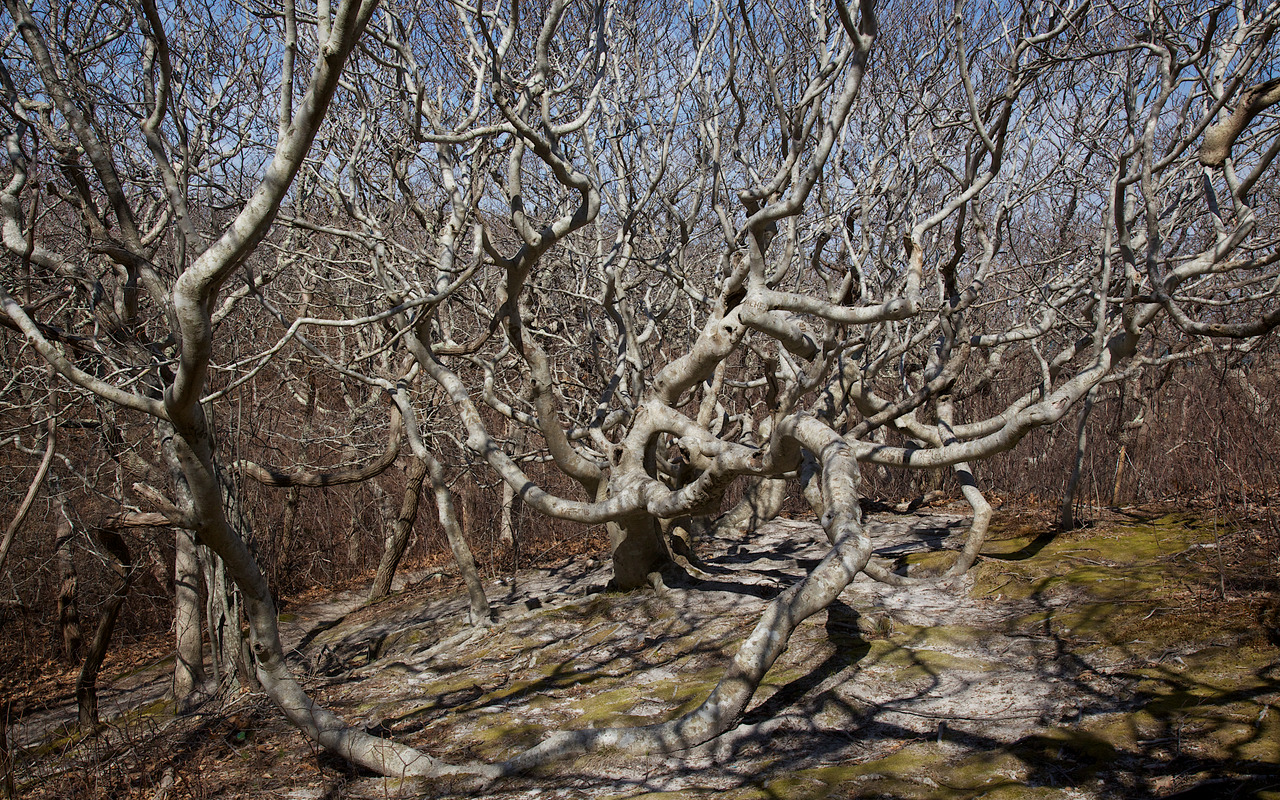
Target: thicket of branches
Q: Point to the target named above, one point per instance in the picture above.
(273, 272)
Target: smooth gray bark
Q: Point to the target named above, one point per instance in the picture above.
(479, 604)
(637, 550)
(189, 677)
(840, 477)
(761, 502)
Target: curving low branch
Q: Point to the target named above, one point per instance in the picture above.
(271, 476)
(1220, 138)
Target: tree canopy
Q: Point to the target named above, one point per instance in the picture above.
(629, 257)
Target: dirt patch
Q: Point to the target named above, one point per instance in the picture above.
(1102, 663)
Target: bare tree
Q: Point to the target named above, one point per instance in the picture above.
(787, 264)
(158, 331)
(776, 242)
(29, 497)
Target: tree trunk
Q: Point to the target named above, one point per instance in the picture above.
(68, 588)
(190, 680)
(849, 555)
(288, 527)
(194, 447)
(230, 654)
(464, 494)
(506, 523)
(977, 533)
(635, 542)
(25, 505)
(1067, 518)
(189, 305)
(189, 677)
(811, 486)
(760, 503)
(510, 502)
(7, 782)
(233, 650)
(1115, 487)
(87, 679)
(394, 549)
(479, 610)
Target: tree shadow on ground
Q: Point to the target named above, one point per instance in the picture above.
(850, 648)
(1134, 711)
(1030, 550)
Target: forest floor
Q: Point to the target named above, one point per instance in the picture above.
(1138, 657)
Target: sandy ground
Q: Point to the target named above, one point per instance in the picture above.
(979, 687)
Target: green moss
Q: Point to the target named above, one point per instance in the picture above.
(691, 794)
(1251, 735)
(613, 707)
(895, 775)
(911, 662)
(939, 636)
(1111, 563)
(508, 731)
(499, 736)
(916, 771)
(608, 709)
(1016, 792)
(159, 707)
(932, 562)
(1115, 578)
(1083, 751)
(1178, 721)
(402, 640)
(59, 740)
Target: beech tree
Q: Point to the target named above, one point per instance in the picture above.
(664, 249)
(133, 175)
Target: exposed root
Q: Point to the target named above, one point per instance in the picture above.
(879, 572)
